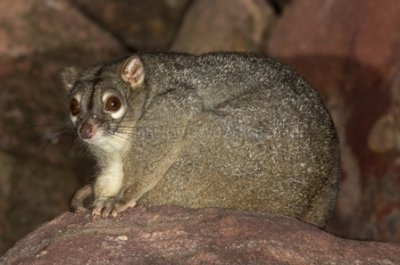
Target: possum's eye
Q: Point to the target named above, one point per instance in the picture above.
(112, 104)
(74, 107)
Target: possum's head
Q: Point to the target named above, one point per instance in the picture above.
(100, 101)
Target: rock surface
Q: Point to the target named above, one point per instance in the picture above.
(38, 166)
(36, 26)
(138, 24)
(350, 53)
(212, 25)
(171, 235)
(30, 193)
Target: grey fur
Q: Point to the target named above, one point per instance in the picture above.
(229, 130)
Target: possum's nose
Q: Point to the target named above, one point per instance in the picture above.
(87, 130)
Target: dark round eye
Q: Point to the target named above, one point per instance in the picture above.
(113, 104)
(74, 107)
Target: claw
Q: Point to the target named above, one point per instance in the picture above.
(106, 209)
(98, 207)
(122, 207)
(96, 212)
(114, 213)
(110, 207)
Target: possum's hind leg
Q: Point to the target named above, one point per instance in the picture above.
(79, 197)
(322, 206)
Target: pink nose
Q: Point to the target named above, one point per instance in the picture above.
(87, 130)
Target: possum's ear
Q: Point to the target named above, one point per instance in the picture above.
(69, 77)
(132, 71)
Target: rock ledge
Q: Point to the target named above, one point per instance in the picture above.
(171, 235)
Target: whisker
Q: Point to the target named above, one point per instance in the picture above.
(54, 135)
(120, 135)
(81, 147)
(44, 125)
(126, 128)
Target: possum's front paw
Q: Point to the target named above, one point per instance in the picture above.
(105, 207)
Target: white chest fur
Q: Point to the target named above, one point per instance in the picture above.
(109, 181)
(113, 144)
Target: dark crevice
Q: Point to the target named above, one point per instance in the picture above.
(179, 23)
(279, 5)
(102, 25)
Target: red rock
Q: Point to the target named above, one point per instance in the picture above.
(144, 25)
(349, 52)
(32, 192)
(36, 26)
(170, 235)
(212, 25)
(38, 39)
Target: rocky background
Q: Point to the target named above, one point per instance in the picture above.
(348, 50)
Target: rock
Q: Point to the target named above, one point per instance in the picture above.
(32, 191)
(37, 26)
(7, 165)
(279, 5)
(171, 235)
(143, 25)
(212, 25)
(349, 52)
(39, 169)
